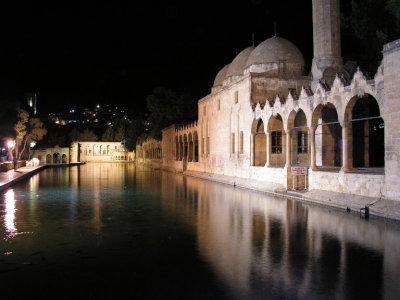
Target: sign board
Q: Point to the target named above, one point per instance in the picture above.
(299, 171)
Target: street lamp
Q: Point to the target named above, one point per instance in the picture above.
(10, 144)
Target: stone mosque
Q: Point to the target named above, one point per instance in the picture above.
(265, 120)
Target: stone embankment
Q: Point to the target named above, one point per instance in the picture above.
(11, 177)
(378, 207)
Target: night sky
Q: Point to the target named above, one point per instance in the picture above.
(79, 53)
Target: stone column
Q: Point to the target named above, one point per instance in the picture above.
(366, 143)
(288, 149)
(313, 161)
(268, 152)
(252, 149)
(346, 148)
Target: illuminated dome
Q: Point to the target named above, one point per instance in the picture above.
(221, 76)
(276, 54)
(238, 64)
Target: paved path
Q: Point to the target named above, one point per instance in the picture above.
(9, 178)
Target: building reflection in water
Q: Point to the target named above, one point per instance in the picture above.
(281, 247)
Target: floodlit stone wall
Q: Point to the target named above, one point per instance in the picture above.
(228, 143)
(391, 92)
(100, 152)
(326, 132)
(55, 155)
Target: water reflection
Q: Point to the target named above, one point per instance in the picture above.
(257, 246)
(9, 218)
(264, 246)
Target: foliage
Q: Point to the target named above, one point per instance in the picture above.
(56, 139)
(87, 136)
(121, 130)
(124, 130)
(141, 138)
(366, 26)
(26, 130)
(167, 107)
(73, 135)
(108, 135)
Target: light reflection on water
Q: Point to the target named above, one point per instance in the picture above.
(191, 239)
(9, 218)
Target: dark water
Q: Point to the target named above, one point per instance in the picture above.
(119, 232)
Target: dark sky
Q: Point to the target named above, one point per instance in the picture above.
(75, 52)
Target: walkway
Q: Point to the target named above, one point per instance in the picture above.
(11, 177)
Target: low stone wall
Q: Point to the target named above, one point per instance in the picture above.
(274, 175)
(370, 185)
(194, 166)
(7, 166)
(154, 163)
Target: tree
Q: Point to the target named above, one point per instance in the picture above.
(27, 130)
(56, 139)
(87, 136)
(74, 135)
(121, 130)
(108, 135)
(167, 107)
(366, 26)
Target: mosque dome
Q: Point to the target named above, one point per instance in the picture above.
(221, 76)
(238, 64)
(276, 54)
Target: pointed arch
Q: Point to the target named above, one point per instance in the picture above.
(365, 134)
(327, 137)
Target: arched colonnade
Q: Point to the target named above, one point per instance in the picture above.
(187, 147)
(331, 130)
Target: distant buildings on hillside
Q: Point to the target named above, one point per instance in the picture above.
(99, 114)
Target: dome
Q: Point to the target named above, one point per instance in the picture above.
(221, 76)
(270, 54)
(238, 64)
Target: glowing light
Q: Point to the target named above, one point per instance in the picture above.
(9, 220)
(98, 106)
(10, 144)
(33, 144)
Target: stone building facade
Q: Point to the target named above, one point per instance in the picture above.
(149, 153)
(55, 155)
(100, 152)
(265, 119)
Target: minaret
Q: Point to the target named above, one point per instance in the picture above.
(327, 59)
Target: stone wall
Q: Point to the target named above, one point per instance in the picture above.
(100, 152)
(391, 76)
